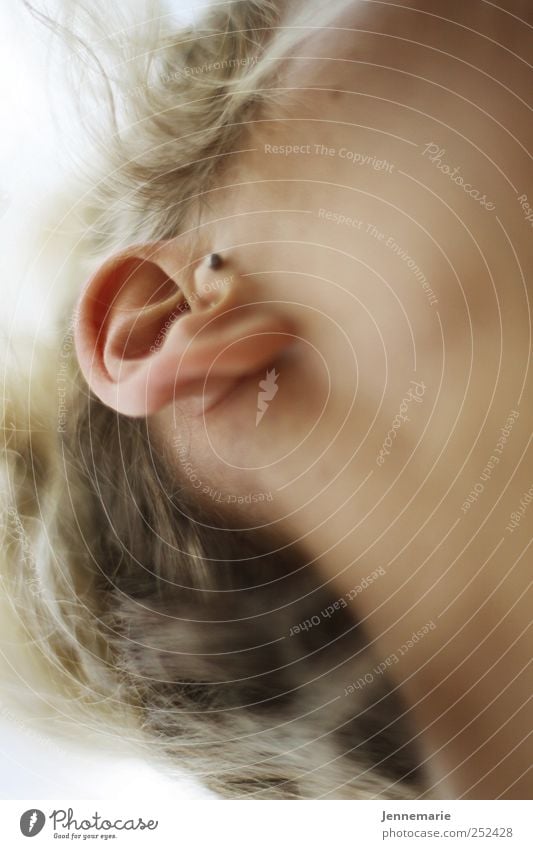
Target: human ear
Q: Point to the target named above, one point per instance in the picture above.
(152, 329)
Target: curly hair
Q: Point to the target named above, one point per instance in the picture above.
(138, 603)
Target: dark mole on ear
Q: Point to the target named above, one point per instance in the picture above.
(214, 261)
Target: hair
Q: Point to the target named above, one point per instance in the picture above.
(144, 612)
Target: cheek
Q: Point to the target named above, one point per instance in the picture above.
(214, 458)
(271, 428)
(217, 469)
(271, 417)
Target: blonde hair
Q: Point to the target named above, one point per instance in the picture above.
(134, 602)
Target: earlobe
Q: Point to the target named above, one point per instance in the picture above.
(141, 345)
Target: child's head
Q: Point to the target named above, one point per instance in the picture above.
(220, 342)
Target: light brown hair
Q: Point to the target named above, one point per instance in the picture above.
(143, 605)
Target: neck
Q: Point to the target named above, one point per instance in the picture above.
(445, 607)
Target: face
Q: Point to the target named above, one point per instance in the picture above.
(375, 306)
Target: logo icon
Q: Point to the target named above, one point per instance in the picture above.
(269, 388)
(32, 822)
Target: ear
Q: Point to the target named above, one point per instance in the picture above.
(152, 329)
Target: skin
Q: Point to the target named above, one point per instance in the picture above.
(363, 351)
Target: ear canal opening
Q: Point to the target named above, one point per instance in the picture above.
(146, 333)
(162, 322)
